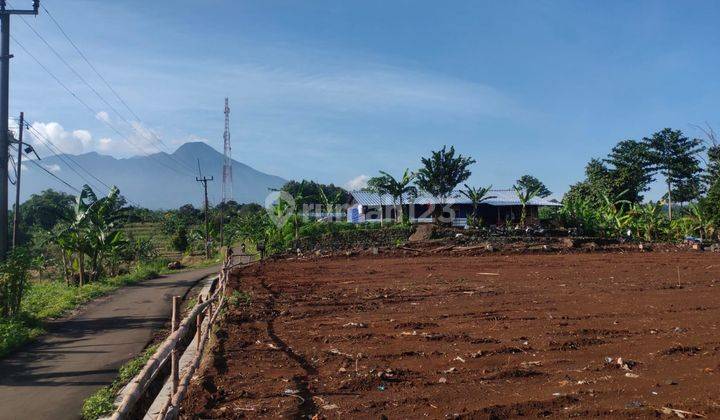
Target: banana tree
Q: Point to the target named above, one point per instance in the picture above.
(332, 202)
(476, 196)
(614, 214)
(700, 221)
(396, 188)
(92, 232)
(648, 220)
(525, 195)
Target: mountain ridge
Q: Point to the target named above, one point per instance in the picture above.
(174, 175)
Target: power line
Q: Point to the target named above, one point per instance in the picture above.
(97, 73)
(102, 98)
(64, 157)
(93, 111)
(47, 171)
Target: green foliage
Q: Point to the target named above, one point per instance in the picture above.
(14, 332)
(101, 403)
(442, 172)
(179, 240)
(524, 195)
(142, 250)
(44, 210)
(631, 169)
(476, 196)
(396, 188)
(312, 191)
(648, 221)
(615, 217)
(531, 183)
(93, 236)
(14, 276)
(52, 299)
(238, 298)
(674, 156)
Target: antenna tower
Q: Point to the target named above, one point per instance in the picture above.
(227, 178)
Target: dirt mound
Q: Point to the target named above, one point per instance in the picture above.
(422, 232)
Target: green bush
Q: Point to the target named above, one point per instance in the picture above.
(180, 241)
(14, 332)
(52, 299)
(238, 298)
(98, 404)
(101, 403)
(14, 275)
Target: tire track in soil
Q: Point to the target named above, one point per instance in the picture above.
(307, 408)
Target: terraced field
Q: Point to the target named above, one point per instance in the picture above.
(154, 232)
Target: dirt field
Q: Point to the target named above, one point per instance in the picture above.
(470, 337)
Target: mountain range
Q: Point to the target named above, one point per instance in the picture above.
(157, 181)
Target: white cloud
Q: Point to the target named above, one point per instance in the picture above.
(141, 141)
(84, 136)
(103, 116)
(52, 168)
(105, 144)
(357, 183)
(75, 142)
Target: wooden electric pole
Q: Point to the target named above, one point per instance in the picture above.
(204, 181)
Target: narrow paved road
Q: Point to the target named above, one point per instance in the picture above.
(51, 377)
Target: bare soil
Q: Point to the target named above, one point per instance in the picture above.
(495, 336)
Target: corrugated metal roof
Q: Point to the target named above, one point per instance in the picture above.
(501, 198)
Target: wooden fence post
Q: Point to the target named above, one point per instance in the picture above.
(199, 321)
(174, 370)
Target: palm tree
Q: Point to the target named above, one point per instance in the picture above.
(397, 188)
(476, 196)
(525, 195)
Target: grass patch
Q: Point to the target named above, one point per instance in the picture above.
(101, 402)
(52, 299)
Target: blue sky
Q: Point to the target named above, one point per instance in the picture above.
(333, 90)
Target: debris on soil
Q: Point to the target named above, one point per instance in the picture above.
(686, 350)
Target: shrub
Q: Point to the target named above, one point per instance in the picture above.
(14, 275)
(102, 401)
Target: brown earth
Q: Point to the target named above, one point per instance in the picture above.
(577, 335)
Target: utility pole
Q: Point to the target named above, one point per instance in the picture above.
(4, 113)
(16, 212)
(204, 181)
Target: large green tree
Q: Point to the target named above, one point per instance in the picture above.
(531, 183)
(597, 183)
(441, 173)
(630, 170)
(311, 191)
(675, 157)
(44, 210)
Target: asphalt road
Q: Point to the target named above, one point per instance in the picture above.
(50, 378)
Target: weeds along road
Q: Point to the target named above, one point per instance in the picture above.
(50, 378)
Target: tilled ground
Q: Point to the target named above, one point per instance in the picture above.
(475, 337)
